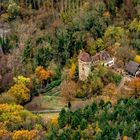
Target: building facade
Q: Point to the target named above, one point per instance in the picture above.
(84, 65)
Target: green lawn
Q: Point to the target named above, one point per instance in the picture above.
(43, 102)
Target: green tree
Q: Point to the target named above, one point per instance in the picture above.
(43, 56)
(88, 114)
(75, 121)
(62, 47)
(62, 119)
(76, 135)
(99, 44)
(27, 51)
(83, 124)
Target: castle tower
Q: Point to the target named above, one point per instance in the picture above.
(84, 65)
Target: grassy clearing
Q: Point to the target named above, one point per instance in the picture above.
(45, 102)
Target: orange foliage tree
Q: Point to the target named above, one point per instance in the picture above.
(42, 74)
(135, 85)
(5, 135)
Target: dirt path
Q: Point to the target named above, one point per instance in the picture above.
(46, 111)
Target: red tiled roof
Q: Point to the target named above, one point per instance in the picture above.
(101, 56)
(84, 57)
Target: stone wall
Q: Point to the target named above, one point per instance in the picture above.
(84, 70)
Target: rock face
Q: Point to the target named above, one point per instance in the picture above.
(84, 64)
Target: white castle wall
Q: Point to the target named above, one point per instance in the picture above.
(84, 69)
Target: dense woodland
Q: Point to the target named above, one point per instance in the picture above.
(40, 41)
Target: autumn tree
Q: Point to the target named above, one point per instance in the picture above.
(4, 134)
(6, 98)
(72, 70)
(42, 74)
(21, 80)
(68, 89)
(135, 85)
(137, 59)
(14, 117)
(20, 92)
(110, 91)
(25, 135)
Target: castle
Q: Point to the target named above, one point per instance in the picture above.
(84, 65)
(85, 61)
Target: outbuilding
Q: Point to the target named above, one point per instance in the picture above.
(133, 68)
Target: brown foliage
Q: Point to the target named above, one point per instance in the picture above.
(68, 89)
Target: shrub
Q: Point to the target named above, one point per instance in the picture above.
(14, 117)
(13, 9)
(20, 92)
(24, 135)
(7, 98)
(80, 94)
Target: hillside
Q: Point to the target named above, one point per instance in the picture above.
(61, 58)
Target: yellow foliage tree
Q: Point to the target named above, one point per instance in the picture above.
(24, 135)
(14, 117)
(9, 116)
(42, 74)
(137, 59)
(54, 120)
(125, 138)
(97, 128)
(72, 70)
(20, 92)
(21, 80)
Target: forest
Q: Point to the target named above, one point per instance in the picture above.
(70, 69)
